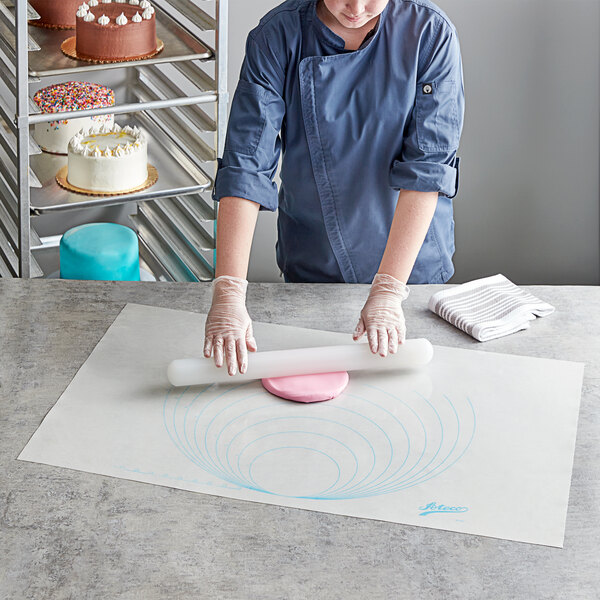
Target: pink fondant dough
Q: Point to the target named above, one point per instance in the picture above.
(307, 388)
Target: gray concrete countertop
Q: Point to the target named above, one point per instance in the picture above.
(72, 535)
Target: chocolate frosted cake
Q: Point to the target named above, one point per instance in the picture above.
(55, 14)
(117, 30)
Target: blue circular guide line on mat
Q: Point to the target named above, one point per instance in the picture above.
(301, 448)
(387, 437)
(451, 464)
(209, 458)
(404, 481)
(309, 433)
(211, 443)
(381, 487)
(177, 443)
(406, 485)
(212, 468)
(242, 431)
(216, 444)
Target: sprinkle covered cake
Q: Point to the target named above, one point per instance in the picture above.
(55, 14)
(54, 136)
(119, 30)
(108, 159)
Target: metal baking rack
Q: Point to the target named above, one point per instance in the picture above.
(179, 97)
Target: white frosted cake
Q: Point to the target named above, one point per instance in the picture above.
(54, 136)
(108, 159)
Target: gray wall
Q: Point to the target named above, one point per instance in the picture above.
(528, 205)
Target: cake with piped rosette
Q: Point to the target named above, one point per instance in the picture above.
(55, 14)
(108, 159)
(113, 31)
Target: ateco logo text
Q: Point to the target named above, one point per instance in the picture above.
(433, 507)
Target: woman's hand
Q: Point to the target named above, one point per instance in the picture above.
(382, 316)
(228, 328)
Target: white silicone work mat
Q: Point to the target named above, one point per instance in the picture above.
(471, 443)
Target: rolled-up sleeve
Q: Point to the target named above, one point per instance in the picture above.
(428, 160)
(253, 144)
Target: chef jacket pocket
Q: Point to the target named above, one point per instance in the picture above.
(437, 116)
(247, 118)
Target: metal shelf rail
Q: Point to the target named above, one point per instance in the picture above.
(174, 221)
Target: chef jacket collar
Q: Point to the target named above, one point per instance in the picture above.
(334, 40)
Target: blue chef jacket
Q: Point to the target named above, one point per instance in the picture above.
(353, 127)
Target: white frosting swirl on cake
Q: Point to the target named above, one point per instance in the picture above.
(147, 13)
(107, 140)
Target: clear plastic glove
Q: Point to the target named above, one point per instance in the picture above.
(228, 328)
(382, 316)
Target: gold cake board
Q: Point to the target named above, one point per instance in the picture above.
(68, 48)
(61, 179)
(50, 25)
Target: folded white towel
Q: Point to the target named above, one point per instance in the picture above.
(488, 308)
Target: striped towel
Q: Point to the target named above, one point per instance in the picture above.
(488, 308)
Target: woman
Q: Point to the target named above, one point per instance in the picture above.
(365, 100)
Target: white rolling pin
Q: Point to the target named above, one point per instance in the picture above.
(411, 354)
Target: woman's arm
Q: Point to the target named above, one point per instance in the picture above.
(382, 317)
(236, 221)
(412, 219)
(228, 330)
(243, 183)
